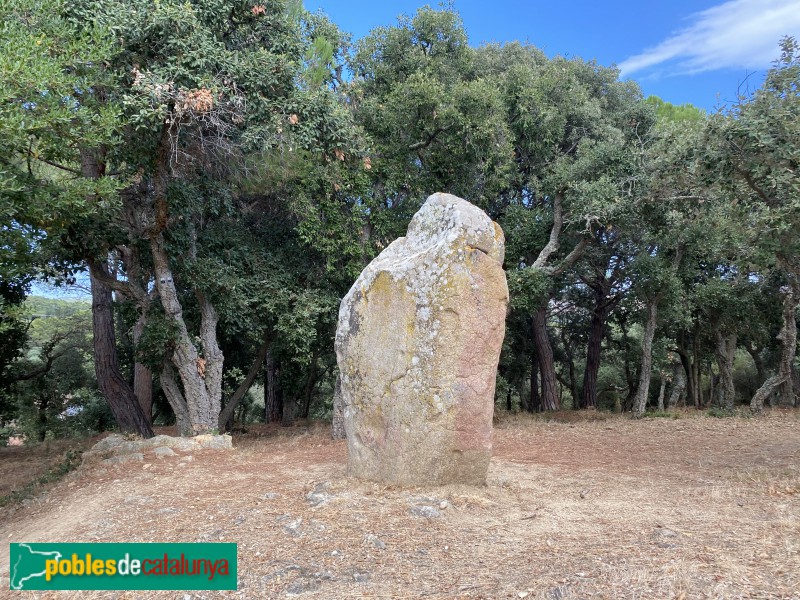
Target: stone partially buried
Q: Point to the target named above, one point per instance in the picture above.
(417, 343)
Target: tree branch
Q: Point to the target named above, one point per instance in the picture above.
(555, 232)
(123, 287)
(572, 257)
(237, 396)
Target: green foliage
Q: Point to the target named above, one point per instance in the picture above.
(277, 181)
(52, 385)
(52, 103)
(528, 288)
(720, 412)
(671, 113)
(436, 123)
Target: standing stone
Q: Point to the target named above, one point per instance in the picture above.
(418, 341)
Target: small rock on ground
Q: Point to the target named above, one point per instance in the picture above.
(427, 512)
(163, 452)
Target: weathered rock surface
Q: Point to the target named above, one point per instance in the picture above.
(417, 343)
(116, 449)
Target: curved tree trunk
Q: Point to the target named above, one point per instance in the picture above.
(175, 398)
(227, 413)
(115, 389)
(755, 354)
(643, 390)
(544, 352)
(200, 377)
(788, 338)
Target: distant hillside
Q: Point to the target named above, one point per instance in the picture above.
(55, 307)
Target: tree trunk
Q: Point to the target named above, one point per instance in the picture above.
(41, 423)
(535, 400)
(788, 338)
(573, 380)
(337, 427)
(661, 391)
(115, 389)
(726, 354)
(201, 377)
(755, 354)
(544, 352)
(686, 363)
(308, 389)
(643, 390)
(226, 415)
(142, 375)
(789, 389)
(175, 398)
(273, 406)
(696, 372)
(712, 384)
(678, 386)
(593, 346)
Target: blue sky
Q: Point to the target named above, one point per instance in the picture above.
(698, 51)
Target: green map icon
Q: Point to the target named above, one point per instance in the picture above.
(28, 564)
(123, 566)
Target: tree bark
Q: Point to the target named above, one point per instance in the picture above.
(175, 398)
(535, 400)
(726, 354)
(788, 338)
(661, 391)
(142, 375)
(273, 404)
(572, 382)
(678, 386)
(686, 363)
(115, 389)
(308, 389)
(643, 390)
(593, 347)
(755, 354)
(544, 353)
(337, 427)
(201, 377)
(696, 371)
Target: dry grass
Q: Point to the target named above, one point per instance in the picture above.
(21, 465)
(605, 508)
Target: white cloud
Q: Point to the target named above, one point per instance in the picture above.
(736, 34)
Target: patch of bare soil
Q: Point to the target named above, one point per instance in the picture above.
(663, 509)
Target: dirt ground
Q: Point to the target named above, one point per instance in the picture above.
(680, 509)
(20, 465)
